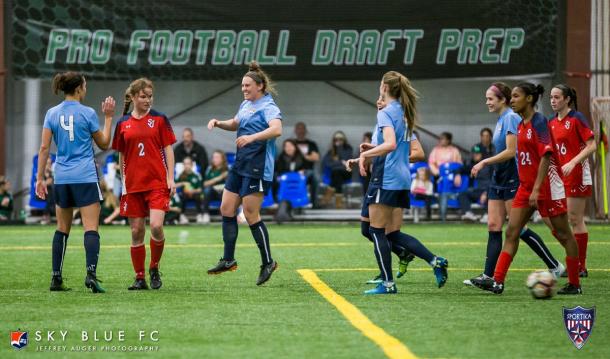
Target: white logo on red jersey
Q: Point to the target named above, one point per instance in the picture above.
(567, 125)
(127, 127)
(529, 133)
(151, 123)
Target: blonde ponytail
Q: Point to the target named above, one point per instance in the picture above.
(400, 88)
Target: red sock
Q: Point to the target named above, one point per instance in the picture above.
(572, 264)
(138, 259)
(582, 239)
(156, 250)
(504, 262)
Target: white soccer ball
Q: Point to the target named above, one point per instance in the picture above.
(542, 284)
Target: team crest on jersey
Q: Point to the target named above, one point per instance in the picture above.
(151, 123)
(19, 339)
(529, 134)
(567, 124)
(579, 324)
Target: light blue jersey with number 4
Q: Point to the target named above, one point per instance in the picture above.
(72, 125)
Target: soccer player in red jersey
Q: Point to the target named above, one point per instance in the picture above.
(144, 139)
(540, 187)
(574, 143)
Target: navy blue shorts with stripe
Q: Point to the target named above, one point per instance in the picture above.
(501, 194)
(244, 186)
(77, 194)
(390, 198)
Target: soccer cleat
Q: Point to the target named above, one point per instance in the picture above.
(469, 282)
(139, 284)
(155, 278)
(266, 271)
(223, 266)
(570, 289)
(403, 264)
(57, 285)
(582, 274)
(93, 283)
(488, 284)
(440, 271)
(382, 289)
(559, 271)
(375, 280)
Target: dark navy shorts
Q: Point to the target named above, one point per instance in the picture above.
(77, 194)
(244, 186)
(390, 198)
(501, 194)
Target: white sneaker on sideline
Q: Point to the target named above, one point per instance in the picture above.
(205, 219)
(183, 219)
(199, 219)
(484, 219)
(469, 216)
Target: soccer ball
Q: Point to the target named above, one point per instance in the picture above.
(542, 284)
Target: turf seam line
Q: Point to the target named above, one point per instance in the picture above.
(391, 346)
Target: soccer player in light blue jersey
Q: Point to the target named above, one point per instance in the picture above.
(74, 127)
(504, 184)
(391, 180)
(258, 123)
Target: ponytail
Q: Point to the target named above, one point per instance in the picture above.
(570, 92)
(401, 88)
(530, 89)
(256, 73)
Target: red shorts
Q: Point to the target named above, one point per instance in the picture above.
(578, 191)
(546, 207)
(139, 204)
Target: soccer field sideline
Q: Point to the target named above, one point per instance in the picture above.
(321, 242)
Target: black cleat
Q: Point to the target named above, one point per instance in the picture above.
(57, 285)
(223, 266)
(488, 284)
(155, 278)
(266, 271)
(139, 284)
(570, 289)
(582, 274)
(93, 283)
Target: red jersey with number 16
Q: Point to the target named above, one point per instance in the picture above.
(533, 142)
(141, 142)
(570, 135)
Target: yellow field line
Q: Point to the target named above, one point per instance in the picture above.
(172, 245)
(391, 346)
(428, 269)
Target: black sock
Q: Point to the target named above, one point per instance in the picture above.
(536, 243)
(261, 236)
(494, 247)
(364, 230)
(60, 242)
(92, 250)
(412, 244)
(396, 248)
(382, 252)
(229, 236)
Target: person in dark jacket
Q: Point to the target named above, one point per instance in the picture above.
(333, 163)
(193, 149)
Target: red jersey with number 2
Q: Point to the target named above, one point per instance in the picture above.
(570, 135)
(141, 142)
(533, 142)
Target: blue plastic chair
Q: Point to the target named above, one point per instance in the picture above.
(413, 167)
(230, 158)
(268, 199)
(447, 190)
(293, 188)
(34, 202)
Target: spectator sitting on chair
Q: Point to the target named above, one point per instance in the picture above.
(48, 177)
(110, 208)
(175, 210)
(311, 155)
(6, 199)
(191, 185)
(367, 137)
(334, 163)
(214, 182)
(444, 152)
(191, 148)
(478, 192)
(423, 189)
(290, 160)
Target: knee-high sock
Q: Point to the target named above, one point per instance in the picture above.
(494, 247)
(536, 243)
(581, 240)
(504, 262)
(382, 253)
(92, 250)
(156, 251)
(60, 242)
(138, 260)
(573, 275)
(412, 245)
(397, 249)
(261, 236)
(229, 236)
